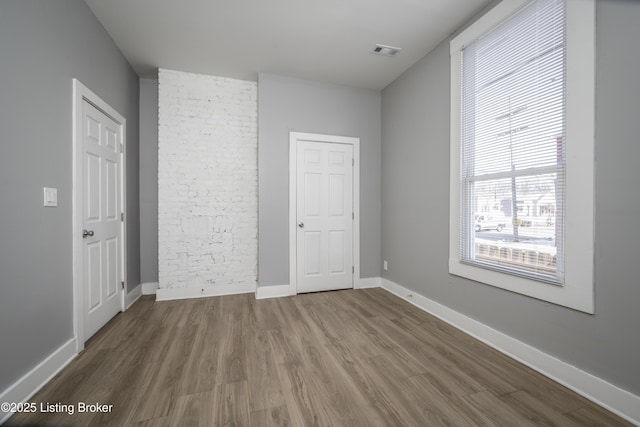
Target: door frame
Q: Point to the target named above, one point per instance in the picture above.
(294, 139)
(82, 93)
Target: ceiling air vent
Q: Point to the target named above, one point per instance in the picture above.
(381, 49)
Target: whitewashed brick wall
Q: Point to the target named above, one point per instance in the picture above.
(207, 181)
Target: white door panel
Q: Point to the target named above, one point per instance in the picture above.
(111, 190)
(102, 251)
(93, 278)
(337, 243)
(92, 183)
(113, 278)
(325, 216)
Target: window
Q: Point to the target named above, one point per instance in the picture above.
(522, 131)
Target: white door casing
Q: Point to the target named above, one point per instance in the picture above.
(98, 213)
(324, 214)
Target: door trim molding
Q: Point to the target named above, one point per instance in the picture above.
(294, 138)
(80, 93)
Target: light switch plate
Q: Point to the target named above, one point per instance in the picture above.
(50, 196)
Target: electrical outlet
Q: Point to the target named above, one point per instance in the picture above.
(50, 197)
(385, 265)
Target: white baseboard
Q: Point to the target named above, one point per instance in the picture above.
(149, 288)
(605, 394)
(369, 282)
(277, 291)
(132, 296)
(165, 294)
(34, 380)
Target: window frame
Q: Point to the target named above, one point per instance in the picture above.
(577, 292)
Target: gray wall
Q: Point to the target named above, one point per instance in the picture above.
(415, 214)
(43, 45)
(284, 105)
(148, 180)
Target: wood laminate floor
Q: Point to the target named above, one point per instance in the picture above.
(347, 358)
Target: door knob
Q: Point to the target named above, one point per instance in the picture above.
(86, 233)
(301, 224)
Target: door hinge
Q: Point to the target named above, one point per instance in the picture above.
(353, 269)
(122, 216)
(122, 283)
(353, 215)
(353, 161)
(121, 148)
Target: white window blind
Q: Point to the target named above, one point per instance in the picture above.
(513, 145)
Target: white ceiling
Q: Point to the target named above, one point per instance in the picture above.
(322, 40)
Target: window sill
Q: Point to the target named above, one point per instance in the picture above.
(577, 296)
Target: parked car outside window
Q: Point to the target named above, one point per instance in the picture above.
(490, 222)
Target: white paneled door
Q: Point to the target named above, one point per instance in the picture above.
(101, 218)
(324, 216)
